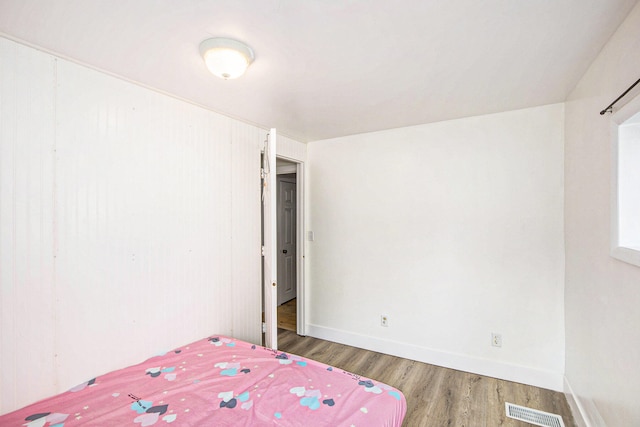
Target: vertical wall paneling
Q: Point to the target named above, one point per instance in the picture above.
(150, 206)
(246, 227)
(291, 149)
(144, 190)
(26, 223)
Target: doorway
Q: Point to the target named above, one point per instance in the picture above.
(289, 245)
(286, 236)
(269, 170)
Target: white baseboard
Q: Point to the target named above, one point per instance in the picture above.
(584, 411)
(521, 374)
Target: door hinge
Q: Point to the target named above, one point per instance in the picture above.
(264, 328)
(262, 175)
(262, 251)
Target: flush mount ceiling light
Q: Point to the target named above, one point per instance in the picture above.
(226, 58)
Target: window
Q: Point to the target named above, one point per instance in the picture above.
(626, 180)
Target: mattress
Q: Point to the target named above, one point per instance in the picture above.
(220, 381)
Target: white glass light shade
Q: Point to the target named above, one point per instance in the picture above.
(226, 58)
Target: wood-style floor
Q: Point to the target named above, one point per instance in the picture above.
(287, 315)
(435, 396)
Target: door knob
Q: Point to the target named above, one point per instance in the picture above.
(284, 251)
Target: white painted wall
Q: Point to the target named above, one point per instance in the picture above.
(130, 224)
(454, 230)
(602, 294)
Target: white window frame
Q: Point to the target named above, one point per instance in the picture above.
(618, 251)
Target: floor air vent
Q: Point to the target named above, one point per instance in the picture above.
(533, 416)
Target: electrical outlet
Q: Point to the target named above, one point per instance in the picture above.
(384, 320)
(496, 340)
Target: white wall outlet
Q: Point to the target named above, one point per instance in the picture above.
(384, 320)
(496, 339)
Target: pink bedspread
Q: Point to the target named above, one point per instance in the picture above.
(220, 381)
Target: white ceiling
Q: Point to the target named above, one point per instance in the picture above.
(327, 68)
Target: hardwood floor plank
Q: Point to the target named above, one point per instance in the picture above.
(435, 396)
(494, 397)
(473, 402)
(287, 315)
(446, 397)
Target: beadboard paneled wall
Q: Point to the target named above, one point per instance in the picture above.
(246, 228)
(130, 224)
(291, 149)
(27, 280)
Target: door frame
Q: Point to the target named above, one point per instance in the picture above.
(300, 243)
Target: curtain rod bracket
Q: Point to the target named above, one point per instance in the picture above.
(609, 109)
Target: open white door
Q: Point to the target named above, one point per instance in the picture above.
(270, 259)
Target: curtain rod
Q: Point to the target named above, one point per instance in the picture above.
(609, 109)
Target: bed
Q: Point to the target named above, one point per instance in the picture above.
(220, 381)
